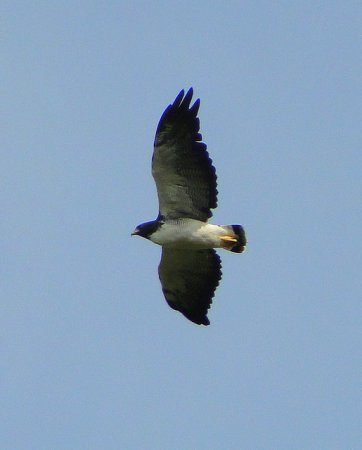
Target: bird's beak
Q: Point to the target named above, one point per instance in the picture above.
(136, 232)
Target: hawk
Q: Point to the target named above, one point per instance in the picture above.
(190, 268)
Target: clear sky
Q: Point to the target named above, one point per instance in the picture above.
(91, 355)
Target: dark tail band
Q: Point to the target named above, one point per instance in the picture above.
(240, 234)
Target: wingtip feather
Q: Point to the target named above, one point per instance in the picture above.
(179, 98)
(187, 99)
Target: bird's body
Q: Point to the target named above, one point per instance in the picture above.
(193, 234)
(190, 269)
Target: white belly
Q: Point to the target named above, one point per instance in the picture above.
(188, 233)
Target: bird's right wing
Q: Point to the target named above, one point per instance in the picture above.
(189, 279)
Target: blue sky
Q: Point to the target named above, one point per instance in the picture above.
(92, 357)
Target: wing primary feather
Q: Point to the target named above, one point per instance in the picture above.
(195, 107)
(187, 99)
(178, 100)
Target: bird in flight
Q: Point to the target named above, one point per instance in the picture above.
(190, 268)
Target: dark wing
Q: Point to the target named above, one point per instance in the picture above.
(189, 279)
(183, 172)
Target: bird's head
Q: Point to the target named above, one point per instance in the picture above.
(146, 229)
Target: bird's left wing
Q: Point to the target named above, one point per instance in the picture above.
(183, 172)
(189, 279)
